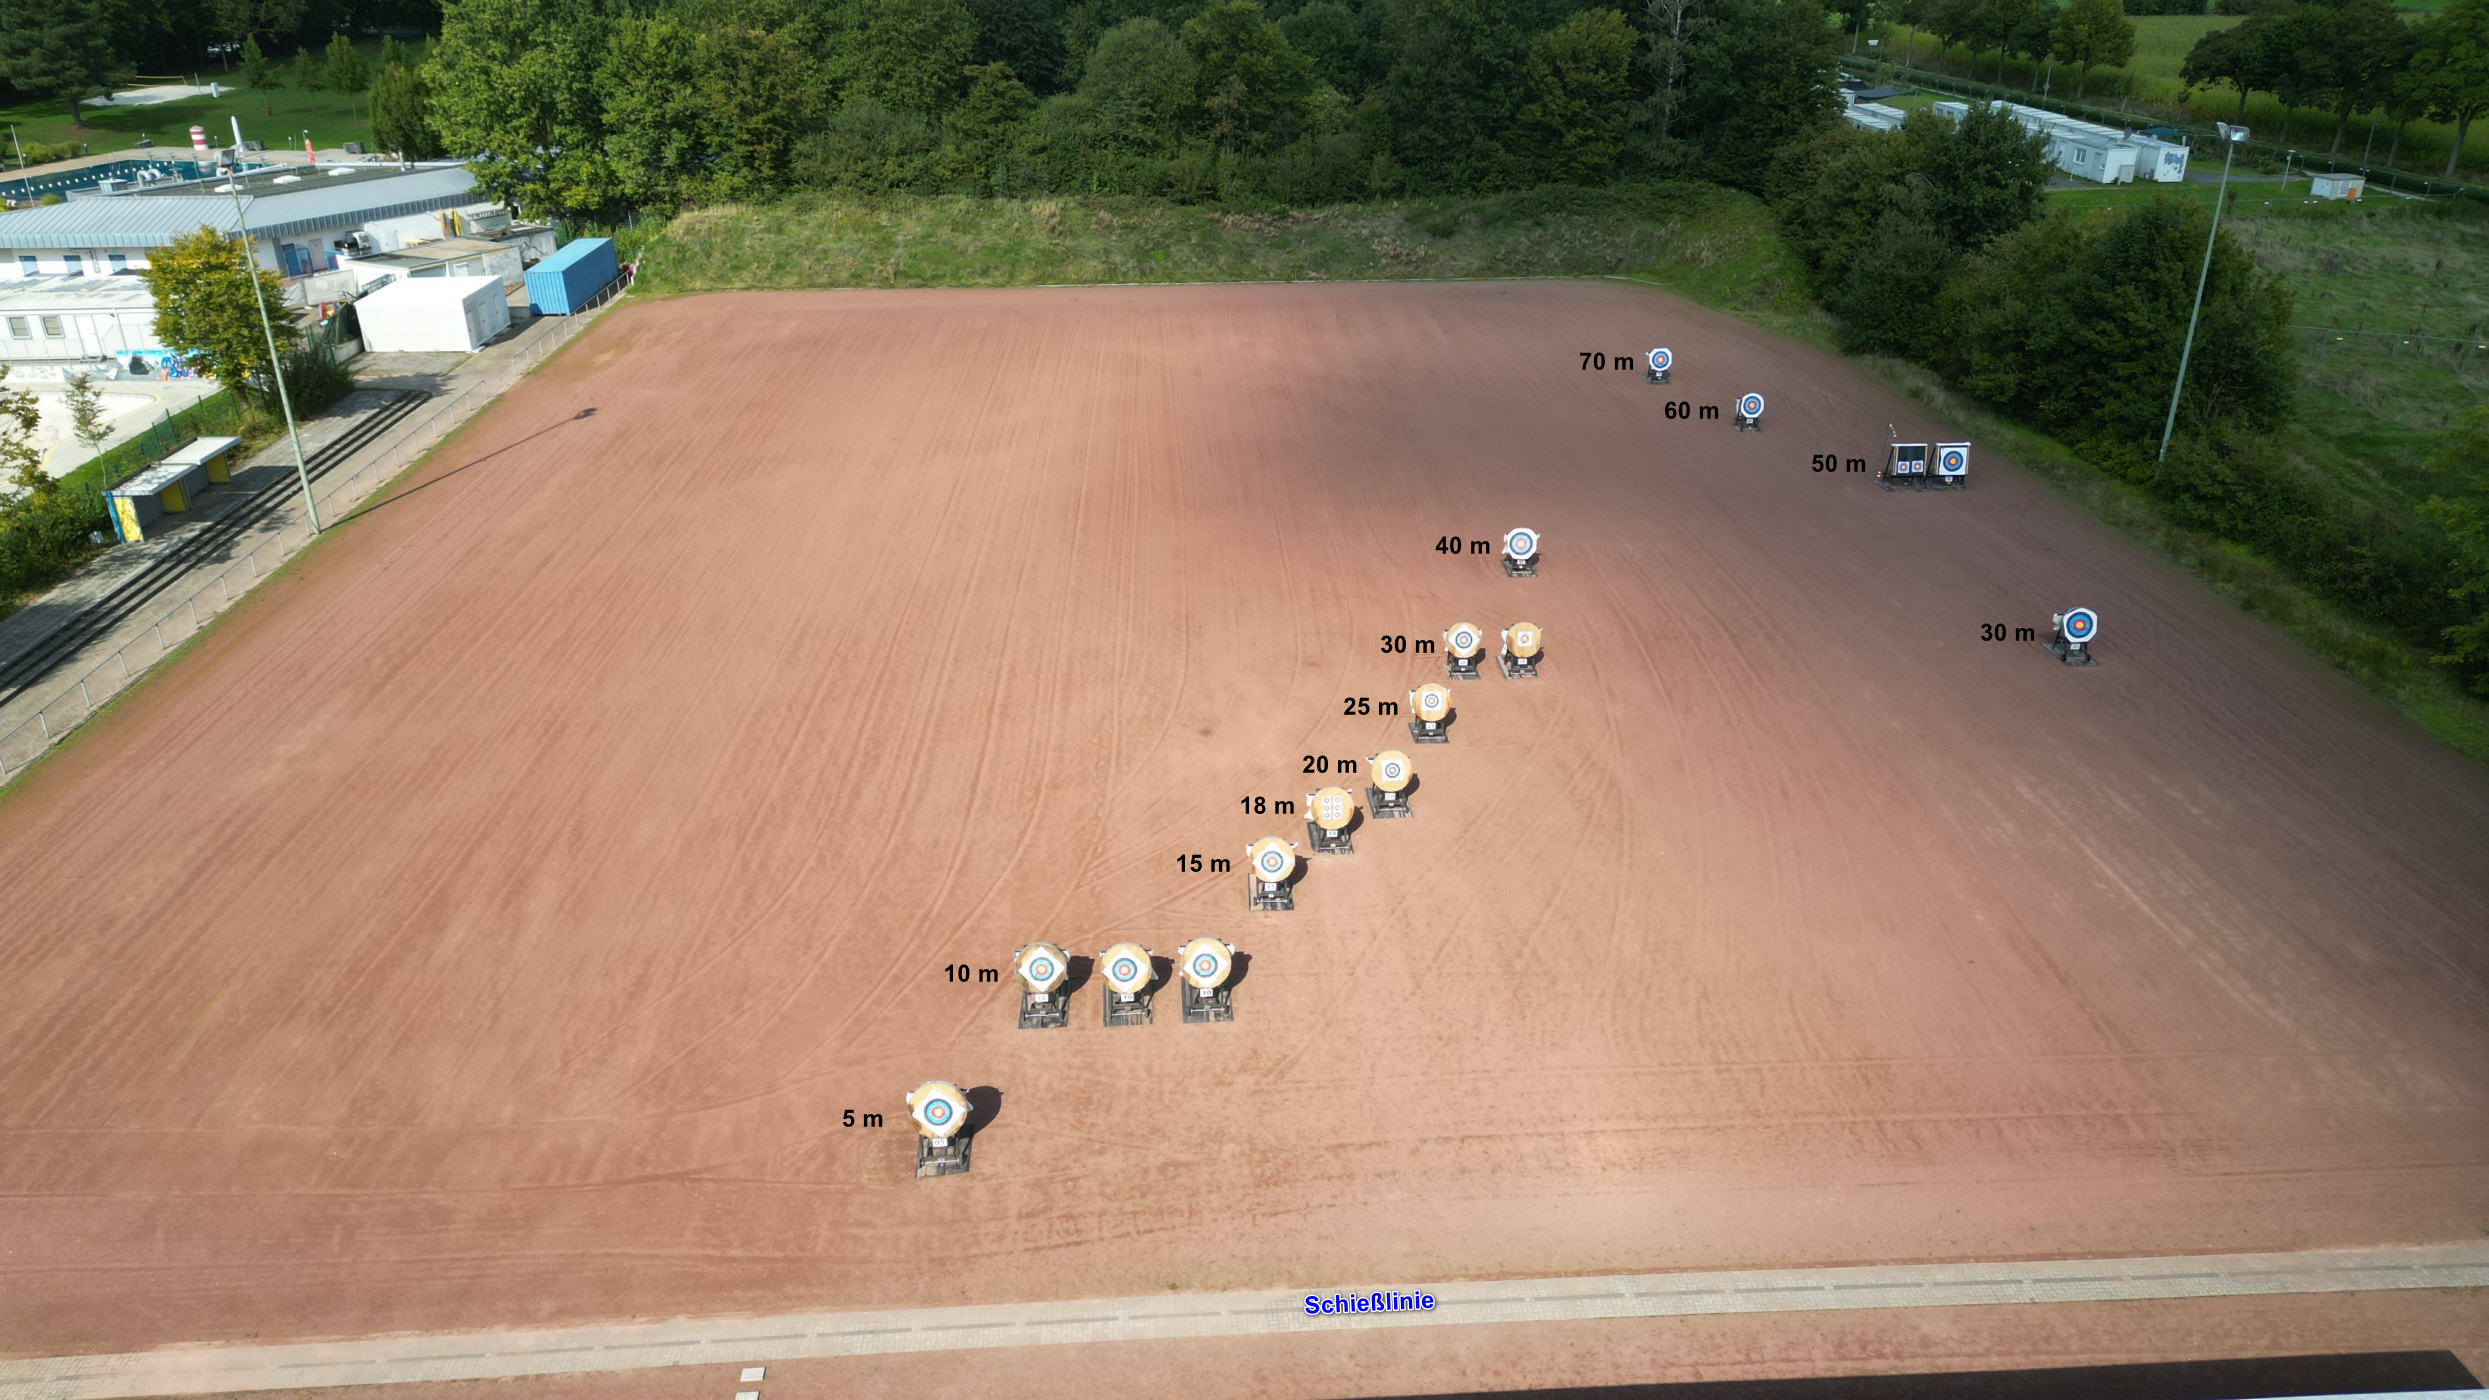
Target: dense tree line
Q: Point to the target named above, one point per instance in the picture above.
(79, 48)
(594, 108)
(2351, 57)
(2085, 33)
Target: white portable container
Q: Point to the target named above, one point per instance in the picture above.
(433, 313)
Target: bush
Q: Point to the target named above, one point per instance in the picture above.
(313, 378)
(44, 538)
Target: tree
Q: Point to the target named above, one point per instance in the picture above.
(56, 48)
(2243, 57)
(86, 413)
(1442, 88)
(985, 126)
(402, 113)
(2092, 33)
(910, 55)
(514, 89)
(207, 313)
(1758, 75)
(21, 466)
(757, 93)
(257, 71)
(2449, 73)
(346, 70)
(1245, 75)
(2362, 47)
(1666, 61)
(1142, 82)
(1579, 76)
(306, 70)
(2465, 519)
(1328, 34)
(1998, 23)
(1022, 33)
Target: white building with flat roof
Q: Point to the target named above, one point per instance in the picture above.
(301, 219)
(55, 325)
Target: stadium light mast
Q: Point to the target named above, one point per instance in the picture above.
(2231, 136)
(276, 367)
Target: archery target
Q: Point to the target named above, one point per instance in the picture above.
(2079, 625)
(1330, 808)
(1271, 859)
(1750, 405)
(1431, 701)
(1042, 966)
(1521, 544)
(1462, 639)
(1522, 639)
(1660, 360)
(1952, 458)
(1391, 770)
(938, 1107)
(1125, 967)
(1205, 962)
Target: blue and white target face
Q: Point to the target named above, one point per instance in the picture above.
(1125, 969)
(1661, 359)
(2080, 624)
(1521, 544)
(1206, 967)
(1953, 461)
(1750, 406)
(938, 1112)
(1273, 863)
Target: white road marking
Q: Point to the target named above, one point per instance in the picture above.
(198, 1370)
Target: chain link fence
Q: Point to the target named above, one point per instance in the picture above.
(94, 686)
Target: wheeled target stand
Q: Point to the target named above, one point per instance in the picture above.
(1432, 706)
(1204, 964)
(941, 1114)
(1749, 413)
(1659, 360)
(1127, 972)
(1268, 864)
(1041, 968)
(1327, 815)
(2077, 628)
(1521, 553)
(1388, 795)
(1519, 658)
(1461, 644)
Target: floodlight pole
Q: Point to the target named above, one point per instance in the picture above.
(276, 369)
(2230, 137)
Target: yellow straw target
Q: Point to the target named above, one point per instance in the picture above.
(1268, 864)
(1205, 964)
(1522, 641)
(1431, 705)
(1388, 795)
(1327, 815)
(941, 1113)
(1461, 643)
(1041, 968)
(1127, 971)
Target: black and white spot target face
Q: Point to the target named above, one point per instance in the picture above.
(1750, 405)
(1660, 360)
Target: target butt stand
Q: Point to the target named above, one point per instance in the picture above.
(1749, 413)
(1659, 360)
(941, 1114)
(1205, 964)
(1044, 1011)
(1268, 864)
(1042, 969)
(1521, 553)
(2077, 629)
(1130, 977)
(1519, 658)
(1460, 651)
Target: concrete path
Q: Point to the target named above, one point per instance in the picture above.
(756, 1340)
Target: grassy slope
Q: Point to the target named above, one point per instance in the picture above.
(2368, 422)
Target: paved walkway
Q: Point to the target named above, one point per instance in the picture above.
(755, 1340)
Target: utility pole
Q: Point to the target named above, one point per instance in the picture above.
(276, 367)
(2231, 136)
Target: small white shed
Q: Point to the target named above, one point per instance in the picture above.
(2347, 188)
(433, 313)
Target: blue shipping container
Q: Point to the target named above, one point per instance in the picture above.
(563, 283)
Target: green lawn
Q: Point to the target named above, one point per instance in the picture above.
(278, 116)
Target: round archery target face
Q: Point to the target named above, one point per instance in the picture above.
(938, 1111)
(1750, 406)
(1126, 969)
(1390, 770)
(1524, 639)
(1521, 544)
(1431, 701)
(1273, 863)
(1953, 461)
(2080, 624)
(1661, 359)
(1464, 639)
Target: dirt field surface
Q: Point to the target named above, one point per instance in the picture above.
(493, 922)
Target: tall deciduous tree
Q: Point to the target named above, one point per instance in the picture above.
(2243, 57)
(1141, 80)
(1343, 54)
(1579, 75)
(344, 68)
(256, 69)
(402, 113)
(2449, 73)
(1245, 73)
(56, 48)
(21, 466)
(907, 55)
(207, 313)
(1026, 34)
(2092, 33)
(1759, 75)
(514, 90)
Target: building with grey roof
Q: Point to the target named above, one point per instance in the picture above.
(299, 219)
